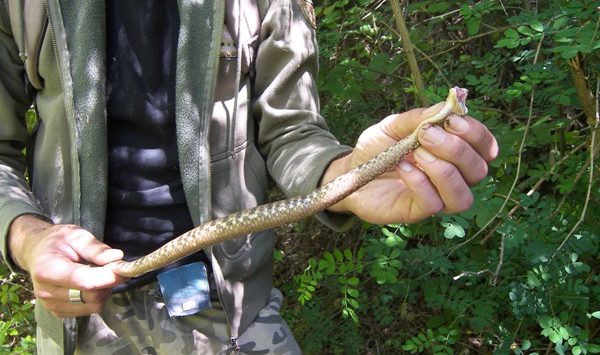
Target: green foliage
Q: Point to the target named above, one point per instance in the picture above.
(518, 272)
(16, 315)
(439, 342)
(340, 265)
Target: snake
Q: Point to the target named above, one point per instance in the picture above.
(279, 213)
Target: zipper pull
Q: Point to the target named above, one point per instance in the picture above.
(235, 345)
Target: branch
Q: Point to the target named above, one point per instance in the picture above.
(586, 98)
(519, 160)
(535, 187)
(591, 176)
(494, 279)
(434, 64)
(410, 54)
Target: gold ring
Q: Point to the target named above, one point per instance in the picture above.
(75, 296)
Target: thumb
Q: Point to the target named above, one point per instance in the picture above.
(91, 249)
(403, 124)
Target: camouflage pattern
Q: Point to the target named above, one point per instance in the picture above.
(136, 322)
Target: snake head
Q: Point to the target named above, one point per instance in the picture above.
(457, 99)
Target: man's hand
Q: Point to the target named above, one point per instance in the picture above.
(59, 258)
(435, 177)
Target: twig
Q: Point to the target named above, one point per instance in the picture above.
(442, 16)
(472, 273)
(503, 8)
(591, 177)
(494, 279)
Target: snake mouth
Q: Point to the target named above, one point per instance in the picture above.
(461, 98)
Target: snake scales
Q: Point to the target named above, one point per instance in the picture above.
(287, 211)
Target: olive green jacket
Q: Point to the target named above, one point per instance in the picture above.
(52, 55)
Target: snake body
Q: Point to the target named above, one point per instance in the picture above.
(290, 210)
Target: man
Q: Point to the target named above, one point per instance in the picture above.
(157, 116)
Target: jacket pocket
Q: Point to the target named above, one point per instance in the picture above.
(239, 183)
(29, 24)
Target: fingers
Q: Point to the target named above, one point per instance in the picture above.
(476, 134)
(90, 249)
(472, 131)
(60, 260)
(450, 159)
(450, 185)
(56, 300)
(452, 149)
(426, 200)
(65, 273)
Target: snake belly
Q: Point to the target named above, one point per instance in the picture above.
(282, 212)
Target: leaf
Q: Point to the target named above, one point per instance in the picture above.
(354, 303)
(352, 314)
(569, 53)
(438, 7)
(338, 255)
(453, 230)
(525, 30)
(329, 257)
(593, 348)
(327, 266)
(473, 25)
(537, 26)
(352, 292)
(594, 314)
(348, 255)
(360, 254)
(409, 346)
(353, 281)
(508, 43)
(511, 33)
(564, 333)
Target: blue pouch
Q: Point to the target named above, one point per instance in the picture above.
(185, 289)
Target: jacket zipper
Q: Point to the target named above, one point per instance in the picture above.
(36, 81)
(216, 58)
(208, 114)
(54, 45)
(58, 32)
(234, 343)
(238, 76)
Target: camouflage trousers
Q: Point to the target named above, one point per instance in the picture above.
(136, 322)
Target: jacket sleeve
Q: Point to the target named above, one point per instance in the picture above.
(15, 196)
(292, 134)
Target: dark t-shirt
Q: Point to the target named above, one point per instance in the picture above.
(146, 202)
